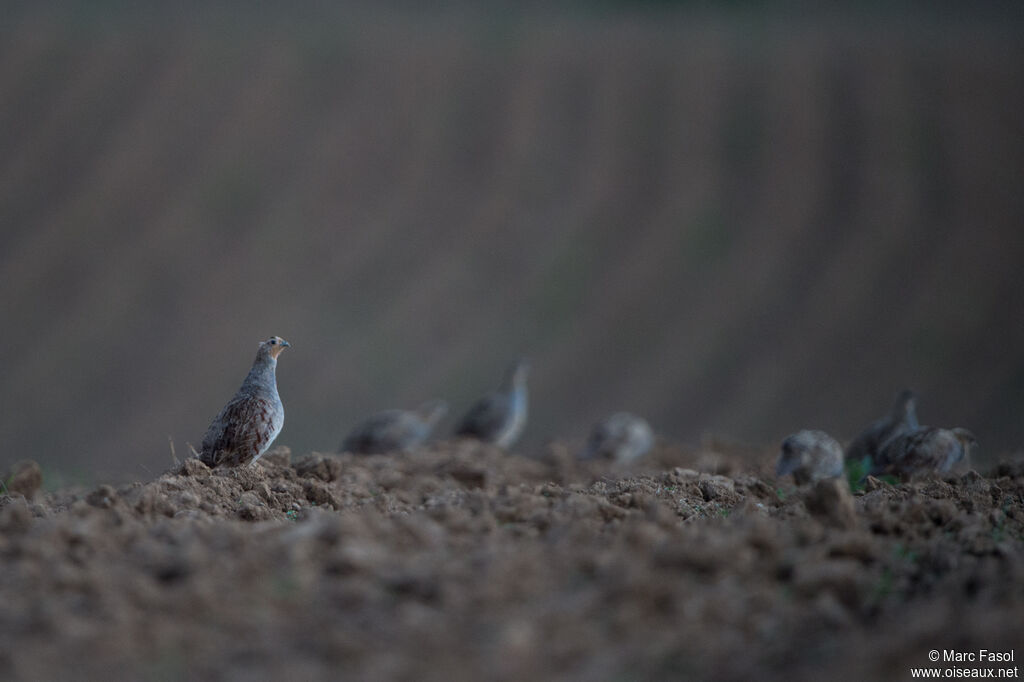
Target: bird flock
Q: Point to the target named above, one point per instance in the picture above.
(896, 444)
(893, 445)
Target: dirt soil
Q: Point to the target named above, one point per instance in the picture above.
(460, 562)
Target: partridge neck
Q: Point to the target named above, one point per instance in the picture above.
(262, 373)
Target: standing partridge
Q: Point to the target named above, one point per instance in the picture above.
(811, 456)
(901, 419)
(250, 422)
(924, 450)
(621, 437)
(395, 430)
(499, 417)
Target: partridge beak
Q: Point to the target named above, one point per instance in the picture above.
(284, 343)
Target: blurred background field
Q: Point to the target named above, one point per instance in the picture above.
(727, 219)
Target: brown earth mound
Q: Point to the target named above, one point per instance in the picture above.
(460, 562)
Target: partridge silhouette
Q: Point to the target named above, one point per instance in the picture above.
(250, 422)
(811, 456)
(901, 419)
(927, 449)
(395, 430)
(499, 417)
(622, 437)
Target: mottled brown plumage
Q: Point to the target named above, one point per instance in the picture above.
(871, 441)
(924, 450)
(395, 430)
(250, 422)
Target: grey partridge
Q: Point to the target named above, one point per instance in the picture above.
(395, 430)
(810, 456)
(499, 417)
(250, 422)
(622, 437)
(901, 419)
(927, 449)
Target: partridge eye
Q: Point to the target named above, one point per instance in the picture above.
(273, 341)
